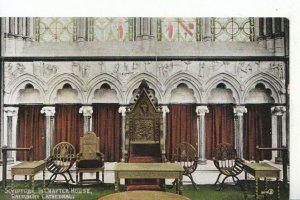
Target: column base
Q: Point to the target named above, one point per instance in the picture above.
(202, 161)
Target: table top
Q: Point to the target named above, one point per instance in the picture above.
(261, 167)
(170, 167)
(144, 195)
(29, 164)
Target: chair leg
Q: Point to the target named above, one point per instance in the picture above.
(222, 184)
(103, 175)
(173, 184)
(193, 182)
(51, 180)
(70, 176)
(97, 176)
(217, 181)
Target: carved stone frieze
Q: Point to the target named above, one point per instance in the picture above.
(202, 75)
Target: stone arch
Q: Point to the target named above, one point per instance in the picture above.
(182, 78)
(58, 82)
(277, 88)
(99, 80)
(229, 81)
(151, 80)
(12, 91)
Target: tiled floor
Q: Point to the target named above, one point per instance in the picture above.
(205, 174)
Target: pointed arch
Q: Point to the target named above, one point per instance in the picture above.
(230, 83)
(181, 77)
(19, 83)
(270, 82)
(58, 82)
(99, 80)
(151, 80)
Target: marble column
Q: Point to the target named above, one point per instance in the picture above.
(11, 30)
(278, 130)
(87, 112)
(206, 24)
(165, 111)
(270, 42)
(201, 133)
(49, 130)
(144, 28)
(82, 29)
(239, 130)
(279, 37)
(10, 128)
(122, 110)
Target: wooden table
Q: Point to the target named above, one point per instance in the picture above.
(30, 168)
(149, 170)
(263, 170)
(144, 195)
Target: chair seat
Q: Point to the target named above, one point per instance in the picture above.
(89, 164)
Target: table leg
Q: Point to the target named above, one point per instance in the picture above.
(266, 188)
(76, 176)
(12, 184)
(256, 188)
(117, 182)
(180, 185)
(44, 182)
(278, 188)
(177, 185)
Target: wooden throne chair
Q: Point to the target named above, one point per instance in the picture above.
(144, 141)
(89, 159)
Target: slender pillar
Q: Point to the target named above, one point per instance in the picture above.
(144, 28)
(279, 37)
(269, 35)
(207, 28)
(165, 111)
(10, 127)
(49, 131)
(11, 29)
(82, 29)
(278, 112)
(122, 110)
(87, 112)
(239, 131)
(201, 133)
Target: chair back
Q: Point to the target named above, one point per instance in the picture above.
(225, 156)
(186, 155)
(89, 146)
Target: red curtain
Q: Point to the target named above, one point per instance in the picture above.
(106, 125)
(68, 124)
(30, 131)
(257, 130)
(181, 127)
(219, 127)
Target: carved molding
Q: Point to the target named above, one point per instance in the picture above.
(240, 110)
(163, 77)
(48, 111)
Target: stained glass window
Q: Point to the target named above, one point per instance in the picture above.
(233, 29)
(178, 29)
(55, 29)
(111, 29)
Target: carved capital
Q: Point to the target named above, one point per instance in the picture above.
(48, 111)
(201, 110)
(11, 111)
(240, 110)
(278, 110)
(122, 110)
(87, 111)
(165, 109)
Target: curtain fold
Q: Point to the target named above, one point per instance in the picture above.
(181, 126)
(30, 131)
(68, 124)
(106, 125)
(219, 124)
(257, 130)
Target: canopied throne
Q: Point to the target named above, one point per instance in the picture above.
(144, 141)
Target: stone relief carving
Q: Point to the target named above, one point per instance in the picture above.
(159, 72)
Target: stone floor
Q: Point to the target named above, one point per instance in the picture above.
(205, 174)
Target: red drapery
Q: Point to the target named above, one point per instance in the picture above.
(106, 125)
(219, 127)
(257, 130)
(68, 124)
(30, 131)
(181, 127)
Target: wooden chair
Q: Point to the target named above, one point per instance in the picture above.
(186, 155)
(60, 162)
(226, 161)
(89, 159)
